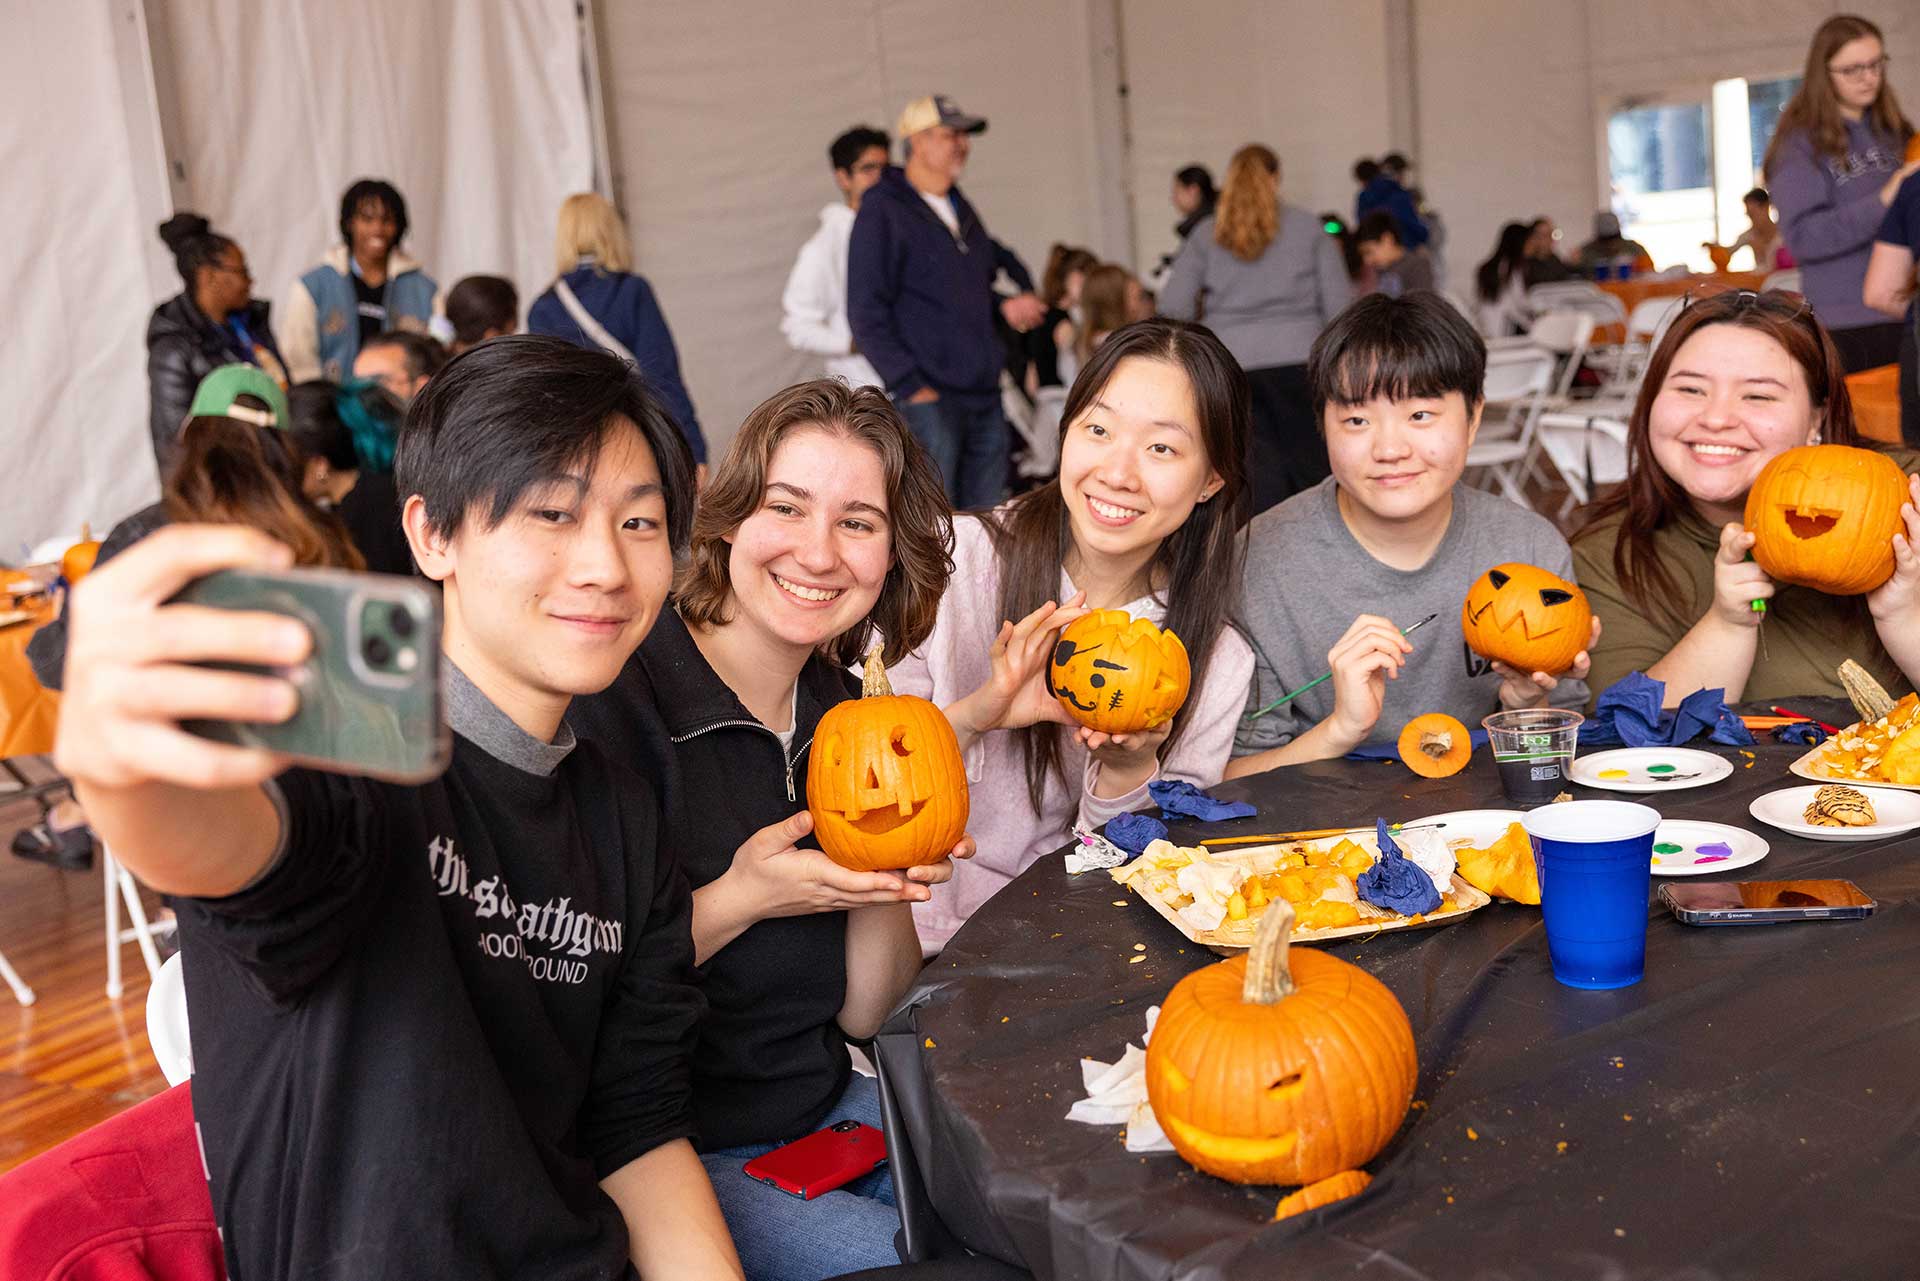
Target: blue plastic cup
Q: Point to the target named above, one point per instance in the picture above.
(1596, 871)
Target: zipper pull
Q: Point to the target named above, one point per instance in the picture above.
(790, 796)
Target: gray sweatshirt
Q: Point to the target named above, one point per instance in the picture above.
(1268, 311)
(1308, 578)
(1829, 211)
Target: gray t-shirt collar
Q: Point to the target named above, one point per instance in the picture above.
(475, 718)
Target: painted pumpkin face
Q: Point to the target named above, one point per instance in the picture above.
(1286, 1069)
(1824, 517)
(885, 782)
(1527, 618)
(1118, 674)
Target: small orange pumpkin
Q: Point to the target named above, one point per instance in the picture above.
(885, 782)
(77, 562)
(1435, 745)
(1824, 516)
(1279, 1067)
(1527, 618)
(1118, 674)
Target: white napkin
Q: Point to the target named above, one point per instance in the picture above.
(1093, 851)
(1117, 1095)
(1426, 849)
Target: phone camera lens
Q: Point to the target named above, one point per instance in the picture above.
(378, 652)
(401, 622)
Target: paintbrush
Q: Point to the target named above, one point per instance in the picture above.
(1320, 680)
(1321, 833)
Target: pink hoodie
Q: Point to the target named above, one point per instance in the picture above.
(954, 662)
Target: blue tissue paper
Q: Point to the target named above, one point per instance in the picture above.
(1628, 713)
(1396, 882)
(1134, 832)
(1805, 734)
(1179, 799)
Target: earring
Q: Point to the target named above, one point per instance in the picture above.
(1815, 438)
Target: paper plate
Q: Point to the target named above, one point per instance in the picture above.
(1814, 765)
(1479, 828)
(1649, 769)
(1898, 811)
(1685, 847)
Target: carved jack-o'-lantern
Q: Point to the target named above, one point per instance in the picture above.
(1279, 1066)
(1824, 516)
(1527, 618)
(885, 781)
(1118, 674)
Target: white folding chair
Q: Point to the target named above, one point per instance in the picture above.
(1517, 382)
(120, 886)
(1578, 295)
(1043, 442)
(167, 1022)
(1787, 279)
(1587, 449)
(1567, 333)
(1625, 363)
(21, 992)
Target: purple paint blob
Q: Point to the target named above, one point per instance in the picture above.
(1714, 849)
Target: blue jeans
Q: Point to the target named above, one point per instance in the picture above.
(968, 440)
(783, 1238)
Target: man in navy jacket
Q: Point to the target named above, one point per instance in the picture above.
(920, 301)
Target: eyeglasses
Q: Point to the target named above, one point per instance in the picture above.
(1860, 70)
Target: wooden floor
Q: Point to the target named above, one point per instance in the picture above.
(73, 1058)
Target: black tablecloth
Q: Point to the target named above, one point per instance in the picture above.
(1749, 1109)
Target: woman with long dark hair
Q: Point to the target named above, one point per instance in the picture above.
(1832, 168)
(1271, 279)
(1500, 284)
(1738, 379)
(1146, 515)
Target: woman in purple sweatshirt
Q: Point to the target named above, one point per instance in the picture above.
(1833, 167)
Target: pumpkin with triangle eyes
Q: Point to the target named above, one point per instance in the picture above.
(1824, 516)
(1118, 674)
(1527, 618)
(885, 782)
(1280, 1066)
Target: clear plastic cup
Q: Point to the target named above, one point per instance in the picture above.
(1533, 749)
(1596, 871)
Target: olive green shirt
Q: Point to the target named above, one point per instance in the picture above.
(1804, 637)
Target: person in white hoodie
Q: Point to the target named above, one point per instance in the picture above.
(815, 302)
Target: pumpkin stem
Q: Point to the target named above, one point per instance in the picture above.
(873, 680)
(1437, 743)
(1269, 978)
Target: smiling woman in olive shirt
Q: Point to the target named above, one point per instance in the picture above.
(1739, 379)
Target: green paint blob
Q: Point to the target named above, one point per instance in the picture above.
(1665, 848)
(1660, 769)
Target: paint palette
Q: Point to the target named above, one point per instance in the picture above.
(1684, 847)
(1649, 769)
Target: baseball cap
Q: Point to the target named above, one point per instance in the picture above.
(937, 109)
(219, 389)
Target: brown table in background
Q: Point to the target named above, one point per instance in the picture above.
(1633, 292)
(28, 709)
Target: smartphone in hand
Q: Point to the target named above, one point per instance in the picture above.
(370, 700)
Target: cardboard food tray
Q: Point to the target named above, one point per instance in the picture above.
(1811, 765)
(1464, 897)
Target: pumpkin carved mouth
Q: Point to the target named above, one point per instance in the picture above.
(883, 820)
(1811, 522)
(1231, 1147)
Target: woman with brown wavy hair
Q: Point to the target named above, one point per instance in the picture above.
(1267, 279)
(1738, 379)
(822, 533)
(1832, 169)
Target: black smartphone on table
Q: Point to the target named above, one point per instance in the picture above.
(1765, 902)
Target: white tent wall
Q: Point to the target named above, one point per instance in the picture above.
(476, 112)
(721, 117)
(74, 437)
(1514, 95)
(1307, 79)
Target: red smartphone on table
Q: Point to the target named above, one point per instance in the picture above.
(824, 1160)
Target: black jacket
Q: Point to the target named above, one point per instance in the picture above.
(771, 1059)
(184, 346)
(920, 300)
